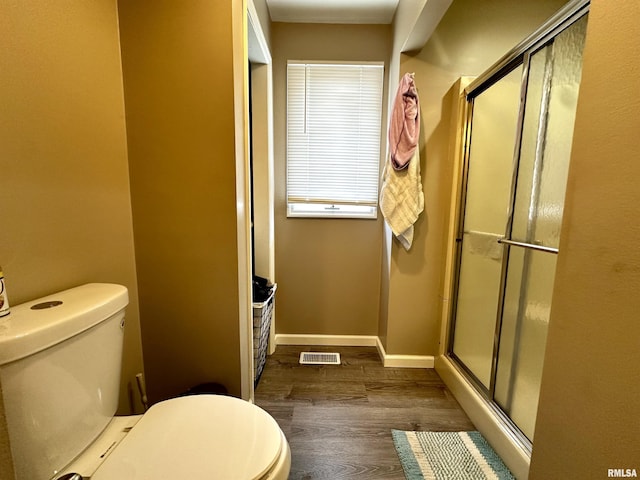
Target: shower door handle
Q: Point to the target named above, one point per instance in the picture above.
(531, 246)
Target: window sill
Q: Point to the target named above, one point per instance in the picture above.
(331, 211)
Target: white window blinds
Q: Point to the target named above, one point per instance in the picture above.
(333, 138)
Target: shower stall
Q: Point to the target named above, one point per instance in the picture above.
(517, 145)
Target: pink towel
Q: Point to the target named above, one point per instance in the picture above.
(404, 126)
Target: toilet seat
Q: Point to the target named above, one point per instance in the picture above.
(200, 437)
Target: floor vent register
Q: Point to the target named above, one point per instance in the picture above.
(319, 358)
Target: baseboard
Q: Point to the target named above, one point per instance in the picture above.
(330, 340)
(398, 361)
(404, 361)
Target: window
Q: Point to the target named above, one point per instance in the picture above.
(333, 139)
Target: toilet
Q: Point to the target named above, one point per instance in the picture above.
(60, 359)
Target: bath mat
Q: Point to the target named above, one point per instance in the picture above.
(447, 456)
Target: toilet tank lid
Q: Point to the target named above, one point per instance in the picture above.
(36, 325)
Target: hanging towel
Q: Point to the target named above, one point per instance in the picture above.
(484, 244)
(402, 199)
(404, 125)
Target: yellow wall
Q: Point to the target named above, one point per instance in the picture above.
(64, 182)
(403, 21)
(328, 270)
(179, 91)
(470, 38)
(590, 395)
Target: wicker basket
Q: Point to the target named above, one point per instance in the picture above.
(262, 315)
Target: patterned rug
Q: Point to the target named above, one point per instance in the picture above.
(448, 456)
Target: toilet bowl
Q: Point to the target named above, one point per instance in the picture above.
(60, 359)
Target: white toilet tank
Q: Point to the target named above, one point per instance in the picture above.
(60, 359)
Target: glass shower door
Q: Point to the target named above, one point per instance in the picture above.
(516, 170)
(554, 79)
(495, 120)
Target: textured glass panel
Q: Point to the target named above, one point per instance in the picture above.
(493, 135)
(552, 95)
(495, 117)
(524, 334)
(533, 122)
(477, 303)
(547, 135)
(565, 84)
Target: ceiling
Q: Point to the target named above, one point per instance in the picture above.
(332, 11)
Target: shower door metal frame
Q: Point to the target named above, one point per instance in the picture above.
(519, 56)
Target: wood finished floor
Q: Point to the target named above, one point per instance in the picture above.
(338, 418)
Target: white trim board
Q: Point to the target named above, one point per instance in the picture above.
(404, 361)
(331, 340)
(388, 360)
